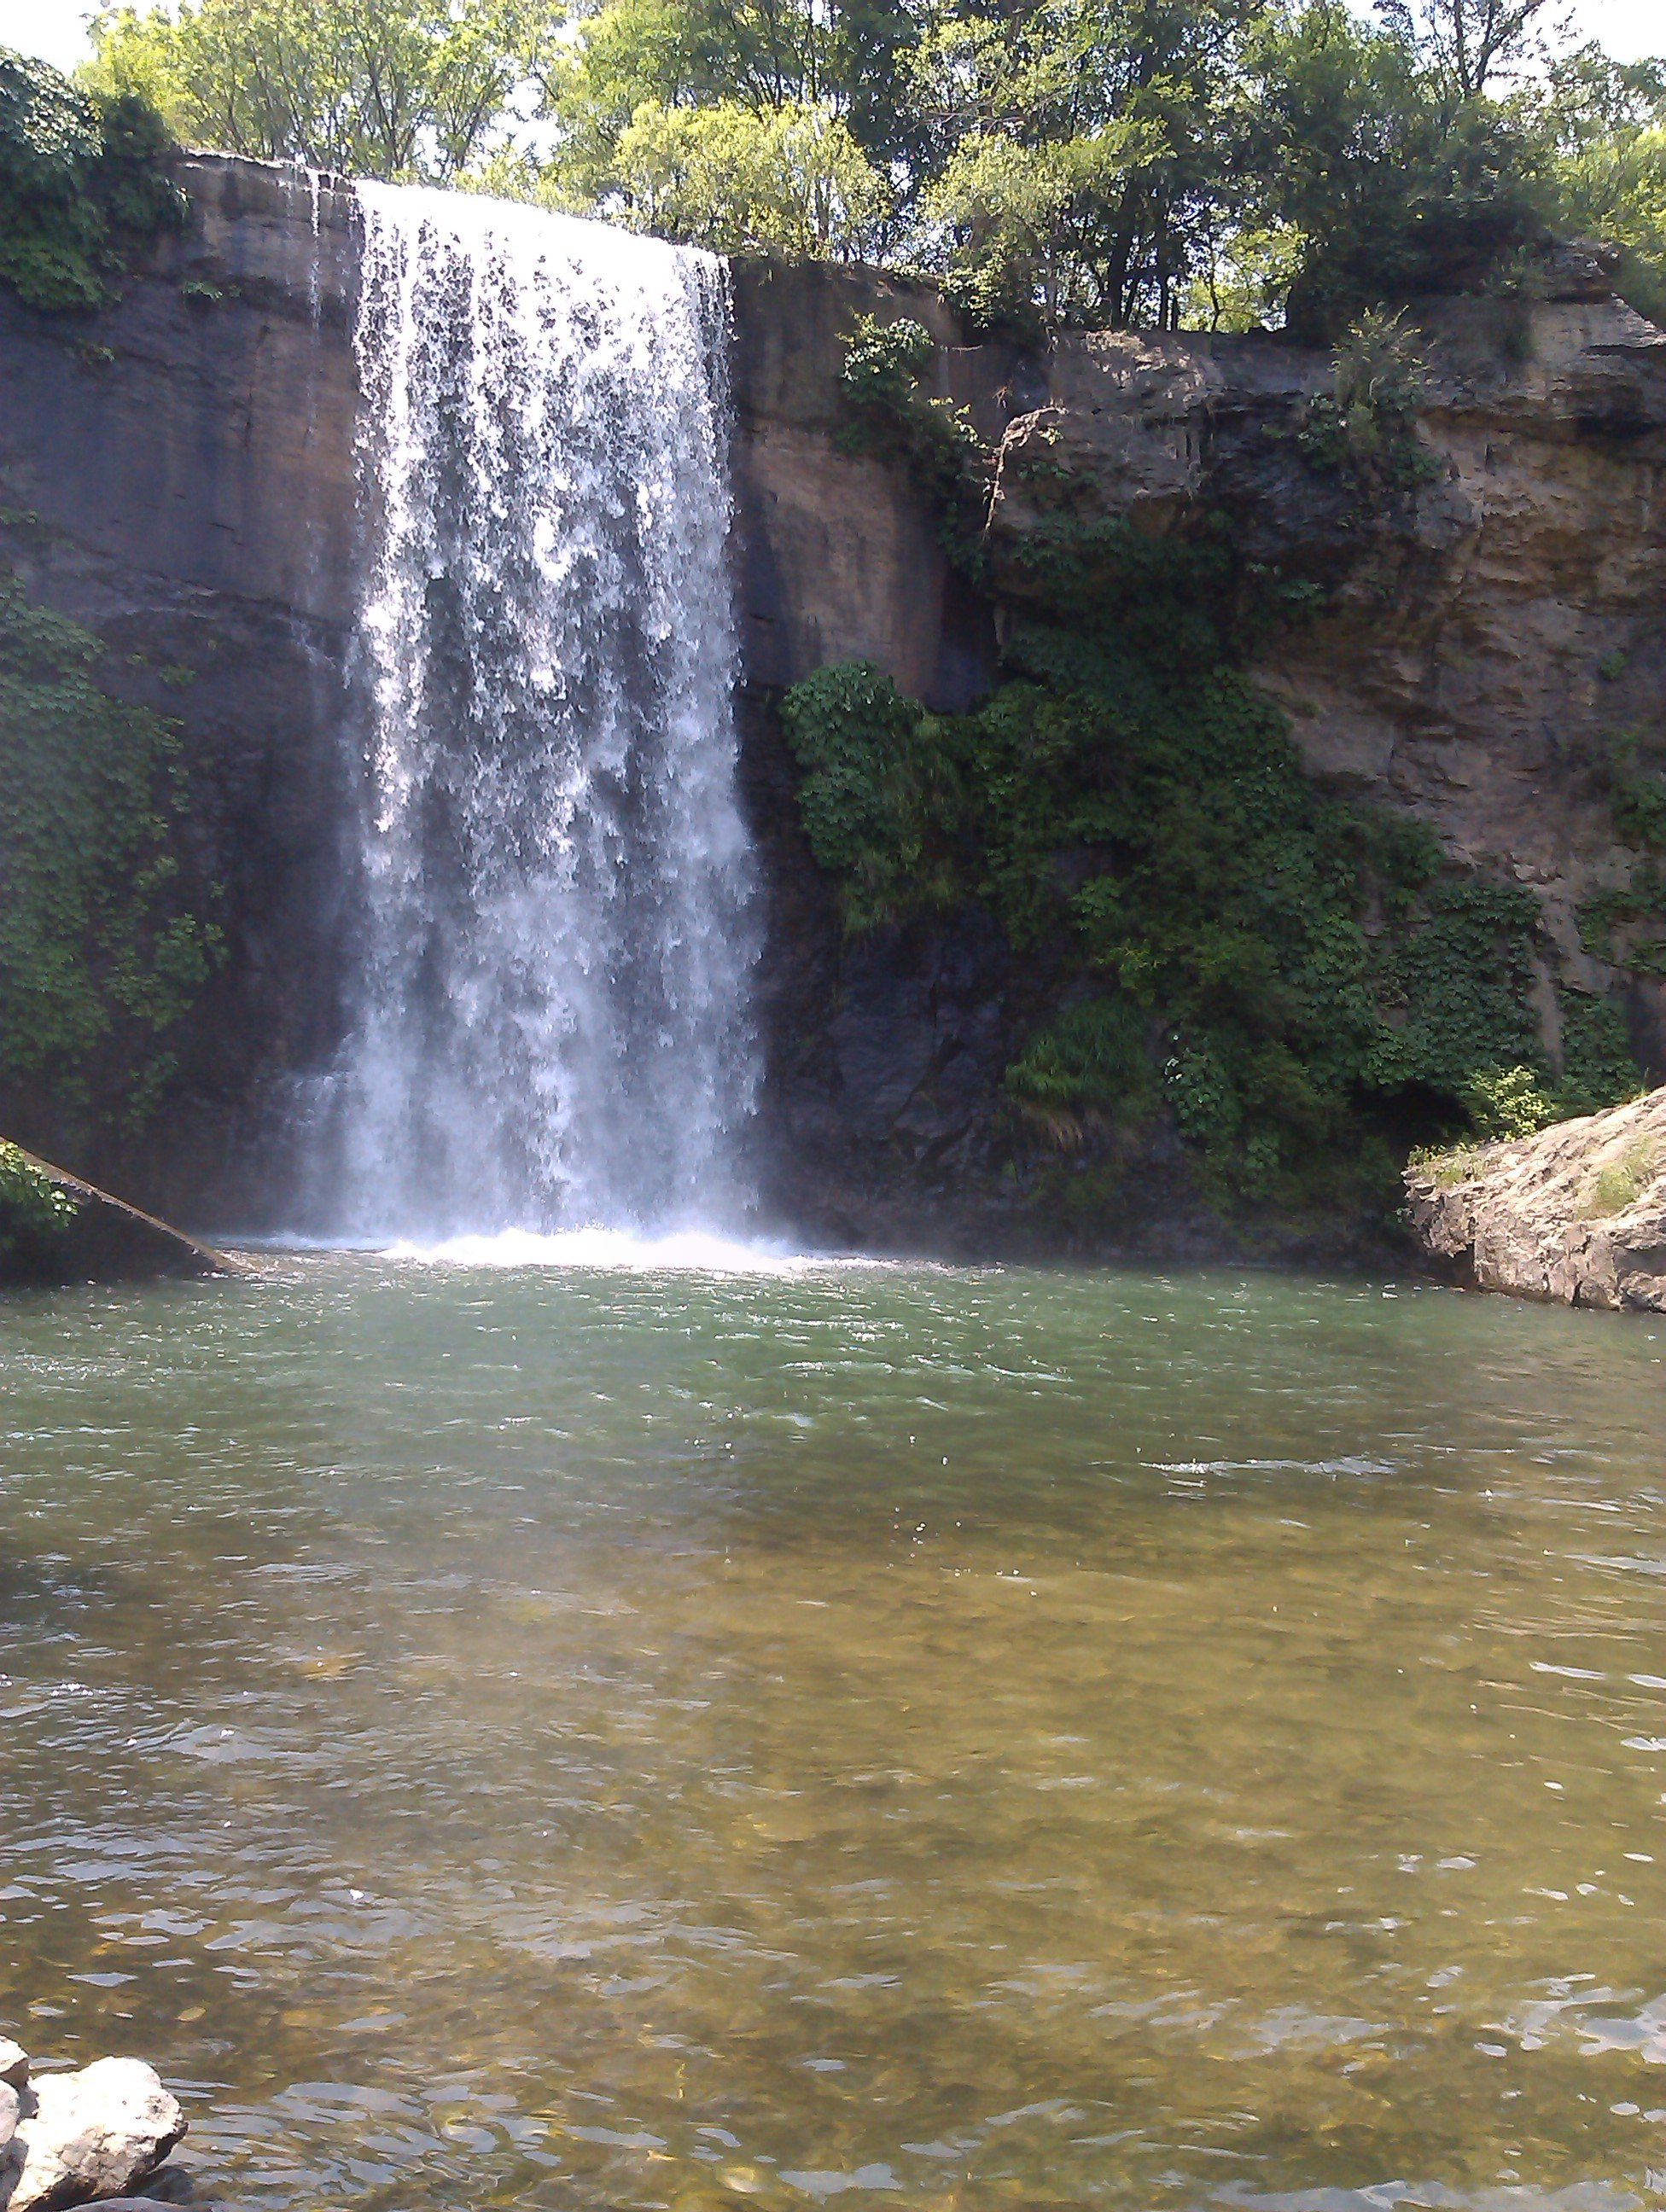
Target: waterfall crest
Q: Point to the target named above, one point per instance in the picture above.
(552, 1027)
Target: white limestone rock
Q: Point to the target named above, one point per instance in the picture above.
(1576, 1214)
(91, 2134)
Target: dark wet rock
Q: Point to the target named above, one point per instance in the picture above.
(170, 2185)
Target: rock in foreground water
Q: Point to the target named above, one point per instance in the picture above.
(1577, 1214)
(88, 2136)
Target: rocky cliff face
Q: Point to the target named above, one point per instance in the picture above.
(177, 474)
(1484, 641)
(1576, 1215)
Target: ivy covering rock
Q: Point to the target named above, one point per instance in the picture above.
(101, 956)
(1300, 984)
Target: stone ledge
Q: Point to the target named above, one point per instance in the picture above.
(1576, 1215)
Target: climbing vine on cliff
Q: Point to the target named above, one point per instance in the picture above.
(888, 412)
(1295, 979)
(98, 956)
(1626, 924)
(82, 177)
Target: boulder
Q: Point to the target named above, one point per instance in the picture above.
(1577, 1214)
(91, 2134)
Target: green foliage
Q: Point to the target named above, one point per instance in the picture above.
(1396, 183)
(1598, 1069)
(1093, 1056)
(1365, 427)
(1637, 793)
(81, 175)
(792, 180)
(1616, 1186)
(877, 789)
(402, 88)
(1447, 1166)
(1455, 983)
(1626, 925)
(1285, 970)
(34, 1209)
(887, 412)
(98, 961)
(882, 365)
(1606, 123)
(1507, 1101)
(1076, 162)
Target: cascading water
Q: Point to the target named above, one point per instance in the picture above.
(553, 1026)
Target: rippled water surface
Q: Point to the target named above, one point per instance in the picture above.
(584, 1738)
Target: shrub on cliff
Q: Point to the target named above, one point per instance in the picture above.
(35, 1208)
(81, 175)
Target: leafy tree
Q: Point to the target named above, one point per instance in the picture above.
(1393, 190)
(78, 172)
(793, 179)
(1082, 155)
(1108, 163)
(747, 127)
(409, 88)
(1470, 45)
(1590, 99)
(1606, 121)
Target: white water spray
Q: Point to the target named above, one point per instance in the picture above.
(553, 1027)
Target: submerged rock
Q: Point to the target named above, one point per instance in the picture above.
(1577, 1214)
(87, 2136)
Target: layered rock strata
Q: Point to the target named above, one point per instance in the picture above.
(1576, 1214)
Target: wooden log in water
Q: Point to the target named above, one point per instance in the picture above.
(110, 1240)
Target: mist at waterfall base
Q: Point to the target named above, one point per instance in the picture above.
(551, 1054)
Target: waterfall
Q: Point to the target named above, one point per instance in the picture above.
(552, 1026)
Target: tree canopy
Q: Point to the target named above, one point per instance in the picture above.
(1146, 162)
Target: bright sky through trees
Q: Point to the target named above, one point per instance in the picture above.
(56, 30)
(1152, 164)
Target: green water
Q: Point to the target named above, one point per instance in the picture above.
(931, 1739)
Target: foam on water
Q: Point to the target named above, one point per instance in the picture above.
(683, 1251)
